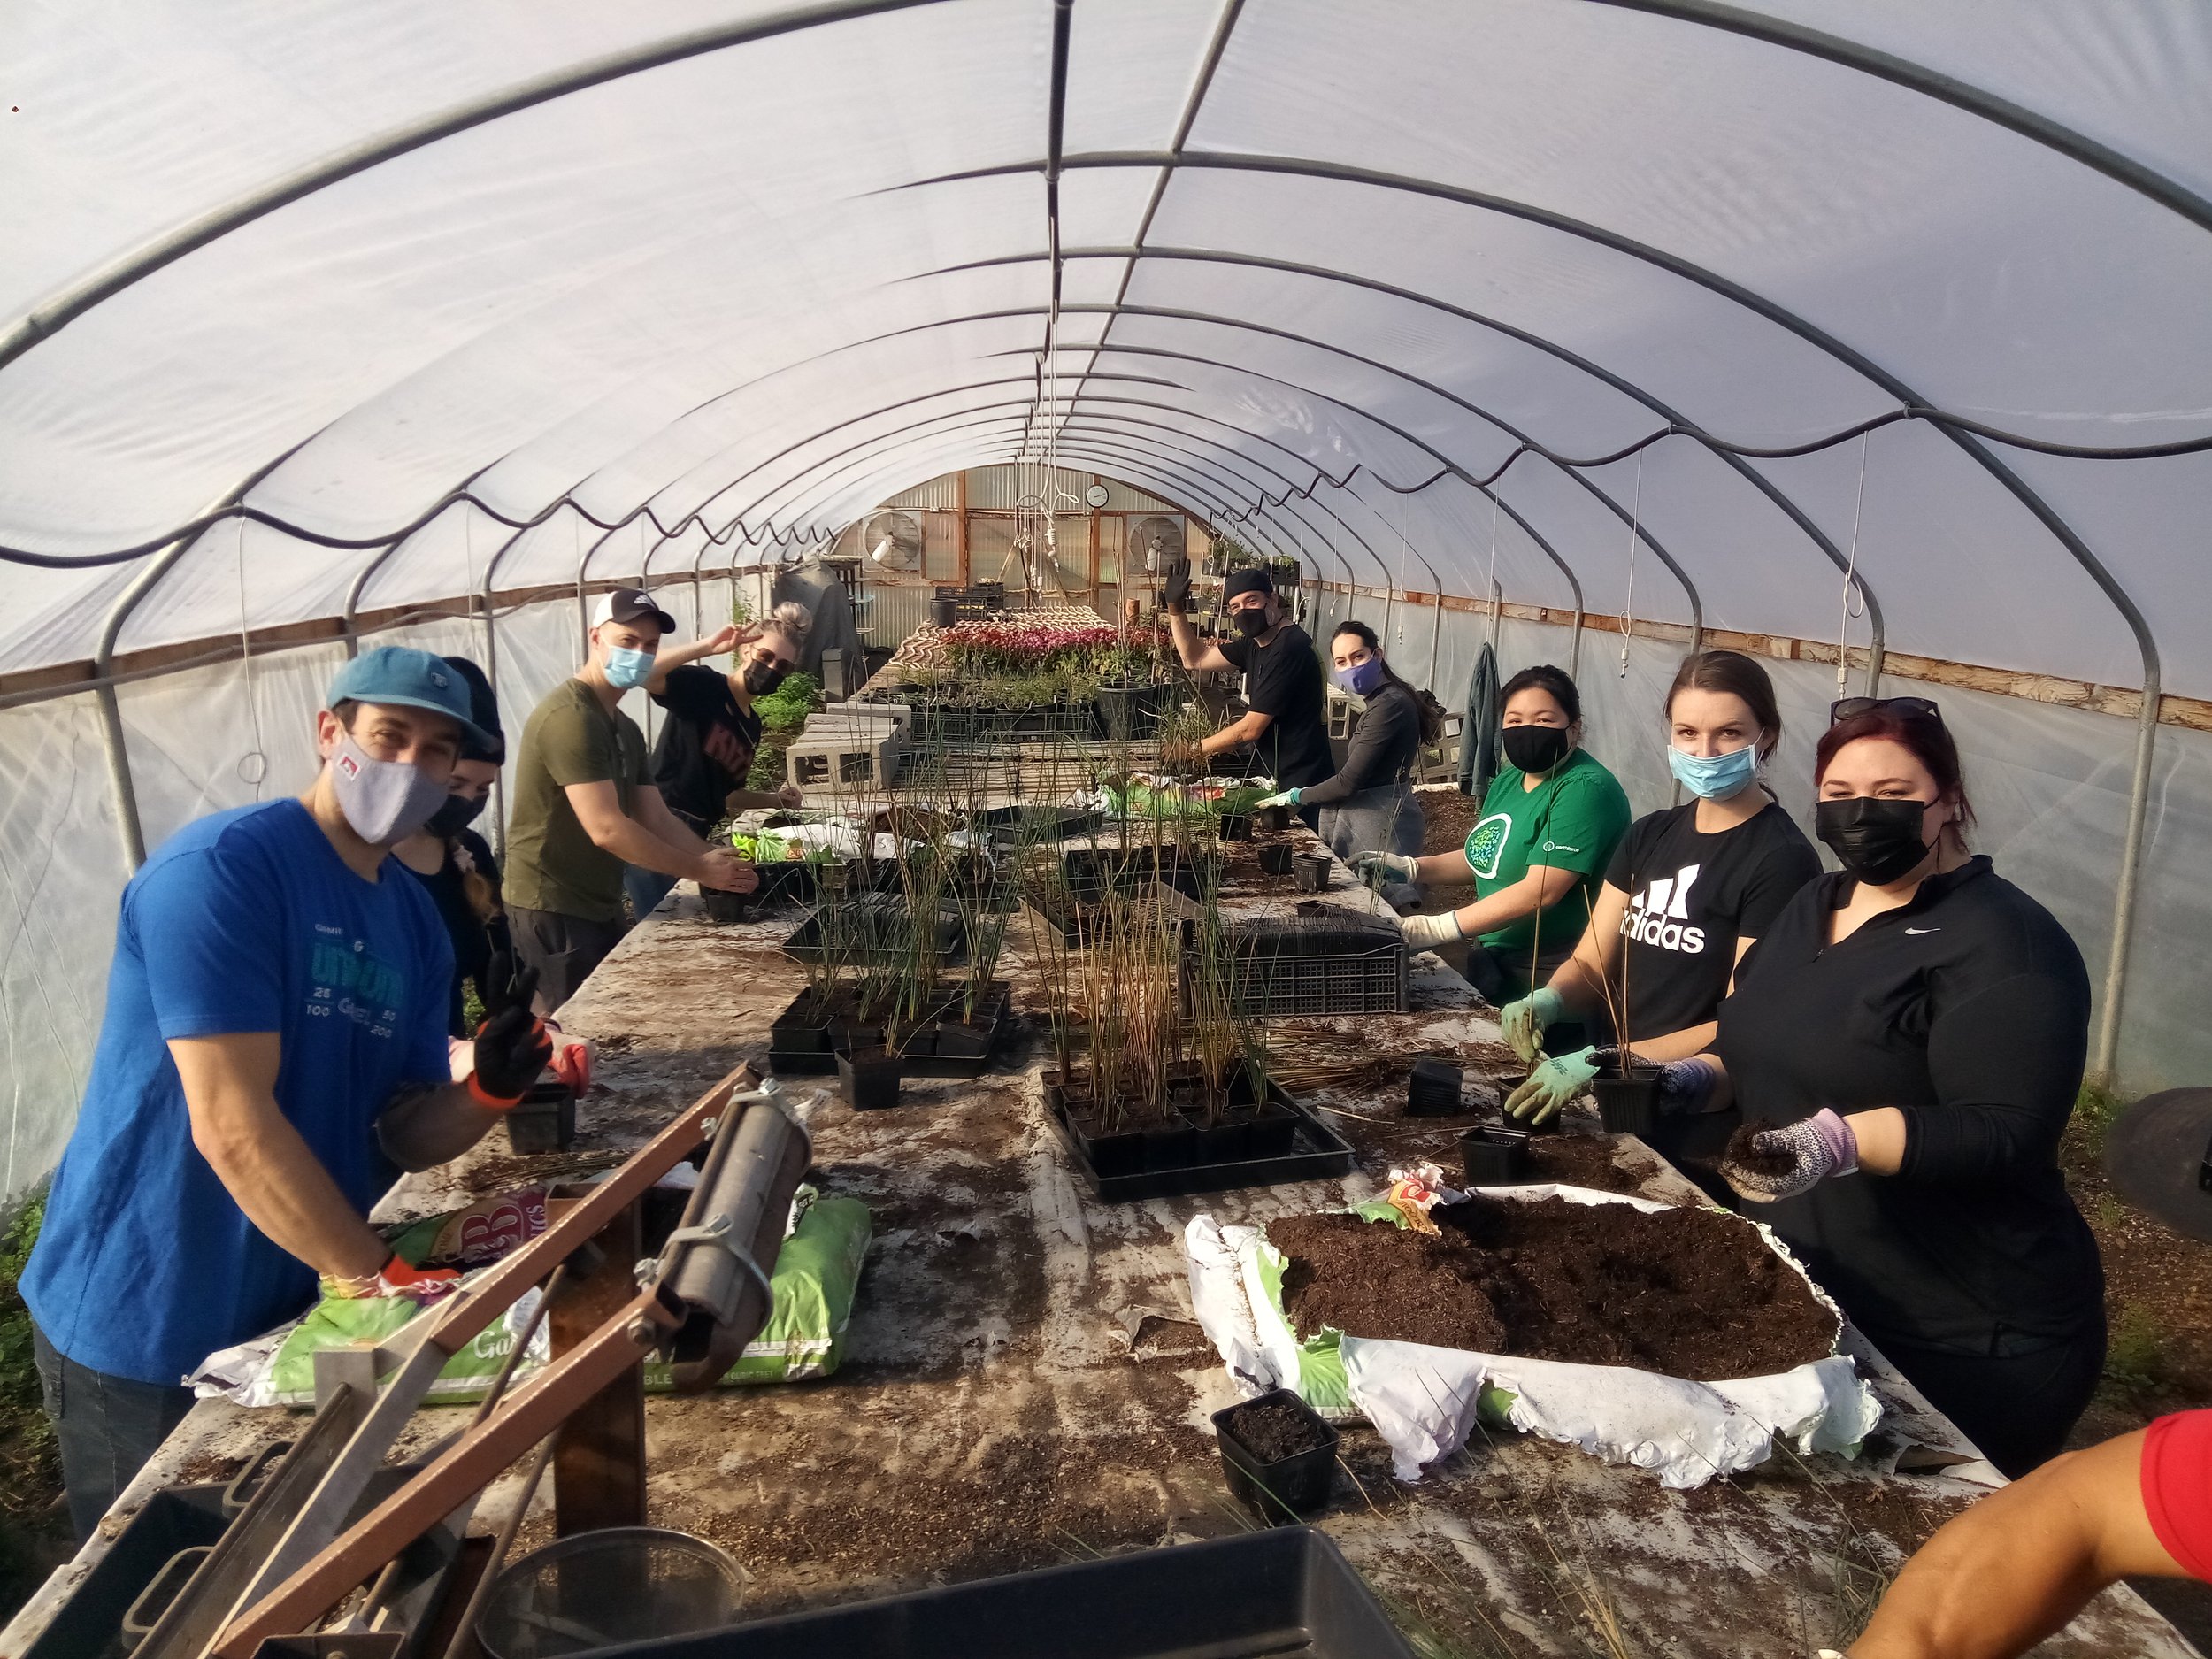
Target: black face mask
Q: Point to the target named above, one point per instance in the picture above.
(763, 678)
(1876, 841)
(1251, 621)
(456, 815)
(1534, 748)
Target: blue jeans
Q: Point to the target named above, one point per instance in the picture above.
(108, 1427)
(646, 887)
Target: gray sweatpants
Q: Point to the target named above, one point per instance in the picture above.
(1384, 820)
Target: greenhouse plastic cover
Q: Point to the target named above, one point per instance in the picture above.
(438, 293)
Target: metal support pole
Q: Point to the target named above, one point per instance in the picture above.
(122, 790)
(2106, 1062)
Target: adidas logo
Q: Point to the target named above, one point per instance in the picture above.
(1656, 915)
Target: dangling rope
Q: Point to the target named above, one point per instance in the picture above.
(1635, 520)
(1496, 608)
(1851, 579)
(253, 765)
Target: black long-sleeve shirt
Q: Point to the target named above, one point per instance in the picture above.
(1968, 1009)
(1382, 749)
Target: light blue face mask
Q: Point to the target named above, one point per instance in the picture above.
(627, 669)
(1715, 777)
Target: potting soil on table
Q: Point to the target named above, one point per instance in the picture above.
(1685, 1291)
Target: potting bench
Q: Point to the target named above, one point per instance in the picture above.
(1022, 1386)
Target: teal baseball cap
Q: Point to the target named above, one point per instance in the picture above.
(412, 680)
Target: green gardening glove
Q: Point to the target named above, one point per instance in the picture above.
(1524, 1022)
(1551, 1085)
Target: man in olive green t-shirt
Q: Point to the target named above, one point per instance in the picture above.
(585, 806)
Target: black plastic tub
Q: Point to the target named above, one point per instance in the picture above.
(1283, 1141)
(544, 1120)
(1129, 712)
(1282, 1488)
(1287, 1590)
(1434, 1089)
(1493, 1156)
(1626, 1104)
(868, 1079)
(89, 1625)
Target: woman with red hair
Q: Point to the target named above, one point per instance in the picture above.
(1914, 1028)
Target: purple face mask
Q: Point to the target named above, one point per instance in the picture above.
(1361, 679)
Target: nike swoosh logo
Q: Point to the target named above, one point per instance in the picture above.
(1924, 930)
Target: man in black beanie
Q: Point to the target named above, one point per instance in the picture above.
(1287, 723)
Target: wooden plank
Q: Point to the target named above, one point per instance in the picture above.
(599, 1456)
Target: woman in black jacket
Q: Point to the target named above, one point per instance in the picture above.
(1369, 806)
(1917, 1027)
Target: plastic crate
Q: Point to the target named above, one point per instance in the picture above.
(1290, 966)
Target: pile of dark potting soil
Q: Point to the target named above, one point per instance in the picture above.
(1685, 1291)
(1273, 1429)
(1740, 1151)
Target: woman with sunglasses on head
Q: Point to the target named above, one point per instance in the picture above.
(1917, 1027)
(1689, 890)
(1369, 805)
(1549, 823)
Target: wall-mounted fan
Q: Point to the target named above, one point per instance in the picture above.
(894, 539)
(1157, 542)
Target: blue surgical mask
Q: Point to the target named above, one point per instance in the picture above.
(626, 669)
(1362, 678)
(1715, 777)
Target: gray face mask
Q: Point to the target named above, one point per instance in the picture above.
(385, 800)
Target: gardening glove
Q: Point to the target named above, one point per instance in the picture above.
(1524, 1022)
(424, 1284)
(1426, 933)
(1802, 1156)
(1175, 596)
(1396, 863)
(1289, 797)
(1685, 1087)
(1551, 1085)
(511, 1047)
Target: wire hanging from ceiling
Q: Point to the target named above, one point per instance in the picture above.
(253, 765)
(1628, 602)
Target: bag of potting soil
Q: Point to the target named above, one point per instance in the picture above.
(473, 1237)
(817, 1276)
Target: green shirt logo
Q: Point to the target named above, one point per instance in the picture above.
(1486, 842)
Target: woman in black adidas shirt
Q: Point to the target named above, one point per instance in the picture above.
(1918, 1025)
(1689, 888)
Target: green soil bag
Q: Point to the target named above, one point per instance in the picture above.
(817, 1278)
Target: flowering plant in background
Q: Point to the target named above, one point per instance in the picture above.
(1020, 647)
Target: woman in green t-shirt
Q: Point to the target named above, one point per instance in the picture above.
(1538, 854)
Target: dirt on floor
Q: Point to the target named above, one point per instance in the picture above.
(1685, 1291)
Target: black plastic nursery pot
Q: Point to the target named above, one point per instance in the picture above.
(1285, 1590)
(1275, 1483)
(1236, 826)
(1626, 1104)
(724, 907)
(1127, 712)
(1273, 819)
(1277, 858)
(1310, 871)
(868, 1079)
(1433, 1089)
(943, 612)
(1493, 1156)
(805, 1040)
(544, 1120)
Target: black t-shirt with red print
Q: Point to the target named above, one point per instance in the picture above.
(706, 748)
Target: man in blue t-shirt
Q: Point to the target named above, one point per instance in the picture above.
(273, 1052)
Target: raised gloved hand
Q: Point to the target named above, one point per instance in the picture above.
(511, 1046)
(1175, 596)
(1524, 1022)
(1551, 1085)
(1405, 869)
(395, 1279)
(1289, 797)
(1685, 1087)
(1426, 933)
(1783, 1162)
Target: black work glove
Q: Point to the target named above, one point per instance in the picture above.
(1176, 594)
(511, 1046)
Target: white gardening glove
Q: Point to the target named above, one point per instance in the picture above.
(1426, 933)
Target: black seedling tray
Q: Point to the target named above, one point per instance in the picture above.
(786, 1058)
(1038, 823)
(883, 936)
(1288, 966)
(1286, 1590)
(1091, 871)
(1317, 1153)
